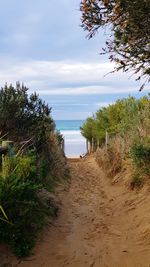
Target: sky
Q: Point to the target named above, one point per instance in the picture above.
(43, 45)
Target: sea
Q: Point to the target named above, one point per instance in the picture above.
(75, 143)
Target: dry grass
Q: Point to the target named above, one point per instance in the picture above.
(111, 158)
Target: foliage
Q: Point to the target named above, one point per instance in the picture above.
(4, 217)
(129, 40)
(140, 154)
(33, 163)
(22, 166)
(88, 129)
(127, 123)
(31, 126)
(31, 116)
(25, 211)
(125, 115)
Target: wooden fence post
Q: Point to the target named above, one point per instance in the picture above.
(106, 140)
(97, 143)
(90, 147)
(87, 146)
(92, 144)
(63, 145)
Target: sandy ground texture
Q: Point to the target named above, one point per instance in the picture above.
(101, 224)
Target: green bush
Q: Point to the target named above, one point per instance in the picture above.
(128, 115)
(19, 199)
(26, 171)
(140, 154)
(43, 169)
(25, 212)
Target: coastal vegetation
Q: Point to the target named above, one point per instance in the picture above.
(128, 36)
(32, 164)
(126, 124)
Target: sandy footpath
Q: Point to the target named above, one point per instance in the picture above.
(99, 225)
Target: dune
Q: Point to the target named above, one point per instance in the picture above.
(100, 224)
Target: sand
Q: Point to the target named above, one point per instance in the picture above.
(100, 224)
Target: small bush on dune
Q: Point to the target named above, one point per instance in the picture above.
(26, 171)
(24, 175)
(25, 210)
(22, 206)
(140, 154)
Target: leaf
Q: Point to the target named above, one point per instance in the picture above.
(5, 219)
(3, 212)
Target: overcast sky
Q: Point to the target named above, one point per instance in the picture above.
(43, 46)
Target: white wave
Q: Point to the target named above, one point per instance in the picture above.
(72, 132)
(75, 143)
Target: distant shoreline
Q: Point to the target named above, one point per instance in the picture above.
(75, 143)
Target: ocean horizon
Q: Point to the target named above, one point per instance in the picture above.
(75, 143)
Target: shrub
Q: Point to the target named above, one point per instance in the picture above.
(19, 198)
(140, 154)
(26, 171)
(24, 211)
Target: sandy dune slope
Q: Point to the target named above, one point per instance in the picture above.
(99, 225)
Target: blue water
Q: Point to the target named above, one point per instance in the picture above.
(69, 125)
(75, 143)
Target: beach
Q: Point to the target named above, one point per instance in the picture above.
(75, 143)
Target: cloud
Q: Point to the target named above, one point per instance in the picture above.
(46, 29)
(88, 90)
(43, 46)
(72, 104)
(66, 78)
(66, 71)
